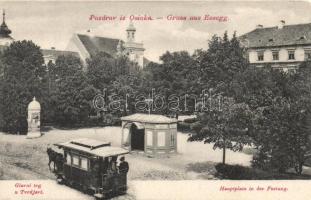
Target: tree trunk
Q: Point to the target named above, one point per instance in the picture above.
(101, 116)
(296, 169)
(224, 155)
(224, 152)
(300, 168)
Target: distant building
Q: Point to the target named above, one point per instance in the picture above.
(87, 45)
(5, 38)
(133, 49)
(84, 46)
(49, 55)
(282, 46)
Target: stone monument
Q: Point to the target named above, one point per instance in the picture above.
(33, 120)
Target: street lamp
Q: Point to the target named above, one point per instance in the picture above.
(149, 102)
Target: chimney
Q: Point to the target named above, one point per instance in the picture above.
(90, 33)
(259, 26)
(281, 24)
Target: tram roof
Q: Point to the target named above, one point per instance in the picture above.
(93, 147)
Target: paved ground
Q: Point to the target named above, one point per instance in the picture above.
(26, 159)
(50, 190)
(168, 190)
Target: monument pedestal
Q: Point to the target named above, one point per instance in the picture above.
(31, 135)
(33, 119)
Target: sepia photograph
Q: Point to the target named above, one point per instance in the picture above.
(155, 100)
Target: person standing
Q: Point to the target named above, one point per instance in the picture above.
(123, 169)
(124, 166)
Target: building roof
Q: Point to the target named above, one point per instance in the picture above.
(95, 44)
(34, 105)
(182, 118)
(56, 53)
(146, 118)
(4, 29)
(110, 46)
(3, 47)
(298, 34)
(146, 61)
(131, 27)
(93, 147)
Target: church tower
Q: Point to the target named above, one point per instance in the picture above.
(135, 50)
(5, 38)
(131, 32)
(120, 48)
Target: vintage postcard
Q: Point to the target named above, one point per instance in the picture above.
(155, 100)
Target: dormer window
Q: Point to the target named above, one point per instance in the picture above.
(302, 38)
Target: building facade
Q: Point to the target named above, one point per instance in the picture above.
(49, 55)
(5, 38)
(84, 46)
(87, 45)
(283, 46)
(133, 49)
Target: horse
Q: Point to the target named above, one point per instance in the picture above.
(56, 158)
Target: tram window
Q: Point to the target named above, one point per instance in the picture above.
(84, 164)
(68, 159)
(75, 160)
(105, 164)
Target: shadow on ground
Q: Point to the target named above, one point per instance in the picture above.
(203, 170)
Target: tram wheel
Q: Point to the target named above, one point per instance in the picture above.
(85, 189)
(99, 196)
(60, 180)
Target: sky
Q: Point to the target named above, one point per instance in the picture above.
(52, 24)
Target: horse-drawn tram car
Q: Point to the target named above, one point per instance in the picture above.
(92, 166)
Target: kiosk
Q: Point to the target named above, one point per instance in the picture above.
(150, 133)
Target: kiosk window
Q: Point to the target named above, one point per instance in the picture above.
(149, 138)
(172, 139)
(161, 139)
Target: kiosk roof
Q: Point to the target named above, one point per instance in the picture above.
(146, 118)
